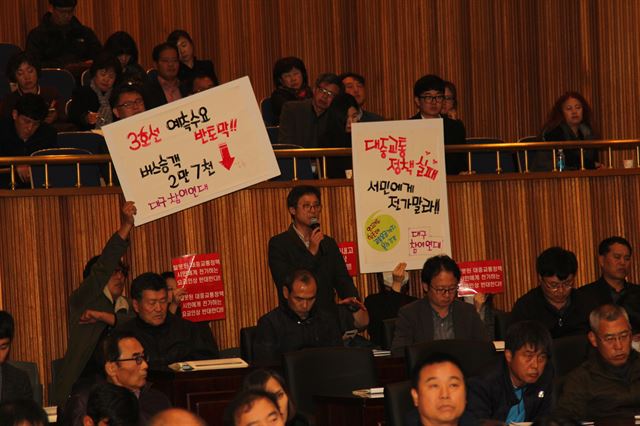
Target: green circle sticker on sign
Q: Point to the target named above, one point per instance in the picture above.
(382, 231)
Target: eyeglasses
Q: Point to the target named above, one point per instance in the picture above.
(563, 285)
(433, 99)
(449, 98)
(138, 359)
(309, 207)
(610, 339)
(127, 105)
(327, 92)
(445, 290)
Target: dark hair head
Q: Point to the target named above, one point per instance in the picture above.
(357, 77)
(454, 92)
(32, 106)
(298, 191)
(120, 90)
(175, 36)
(63, 3)
(18, 59)
(197, 76)
(121, 43)
(105, 61)
(257, 380)
(330, 78)
(525, 333)
(167, 274)
(436, 264)
(243, 402)
(556, 261)
(117, 404)
(111, 345)
(147, 281)
(155, 54)
(433, 358)
(303, 275)
(13, 413)
(89, 265)
(339, 109)
(605, 245)
(428, 82)
(284, 65)
(556, 116)
(7, 325)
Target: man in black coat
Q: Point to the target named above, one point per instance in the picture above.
(14, 383)
(519, 388)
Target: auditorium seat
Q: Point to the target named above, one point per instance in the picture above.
(246, 343)
(266, 109)
(92, 142)
(56, 369)
(303, 165)
(485, 162)
(31, 368)
(64, 175)
(327, 371)
(397, 402)
(59, 79)
(569, 352)
(473, 355)
(501, 324)
(388, 330)
(7, 50)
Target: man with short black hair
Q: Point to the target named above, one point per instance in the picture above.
(111, 405)
(25, 133)
(354, 84)
(607, 385)
(165, 87)
(14, 383)
(428, 94)
(61, 41)
(614, 258)
(519, 388)
(303, 123)
(166, 337)
(304, 246)
(438, 316)
(553, 302)
(253, 407)
(127, 100)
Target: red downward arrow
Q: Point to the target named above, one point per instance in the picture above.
(227, 159)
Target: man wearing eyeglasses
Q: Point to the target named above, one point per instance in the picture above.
(608, 383)
(428, 94)
(95, 308)
(302, 123)
(305, 246)
(127, 100)
(553, 302)
(125, 365)
(438, 316)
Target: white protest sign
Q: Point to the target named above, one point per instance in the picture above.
(400, 189)
(192, 150)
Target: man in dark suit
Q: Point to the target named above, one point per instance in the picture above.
(428, 94)
(166, 86)
(439, 316)
(354, 84)
(14, 383)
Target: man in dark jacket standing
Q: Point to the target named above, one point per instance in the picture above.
(519, 388)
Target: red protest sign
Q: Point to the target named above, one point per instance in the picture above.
(483, 276)
(348, 250)
(201, 275)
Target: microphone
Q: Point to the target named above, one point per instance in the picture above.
(314, 223)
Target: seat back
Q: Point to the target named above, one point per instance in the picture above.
(31, 368)
(90, 141)
(59, 79)
(567, 353)
(397, 402)
(152, 74)
(64, 175)
(501, 324)
(474, 355)
(327, 371)
(56, 369)
(388, 330)
(7, 50)
(266, 109)
(246, 343)
(303, 165)
(485, 162)
(539, 160)
(85, 78)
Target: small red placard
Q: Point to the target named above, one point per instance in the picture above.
(201, 275)
(349, 253)
(482, 276)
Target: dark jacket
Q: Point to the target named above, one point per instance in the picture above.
(282, 95)
(593, 390)
(15, 384)
(572, 156)
(599, 293)
(57, 46)
(49, 94)
(281, 330)
(287, 253)
(415, 324)
(154, 95)
(454, 134)
(492, 395)
(299, 124)
(368, 116)
(204, 66)
(84, 99)
(176, 340)
(382, 306)
(573, 320)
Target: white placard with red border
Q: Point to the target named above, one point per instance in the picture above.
(192, 150)
(400, 190)
(201, 276)
(482, 276)
(349, 254)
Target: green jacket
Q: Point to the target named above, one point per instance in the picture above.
(91, 294)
